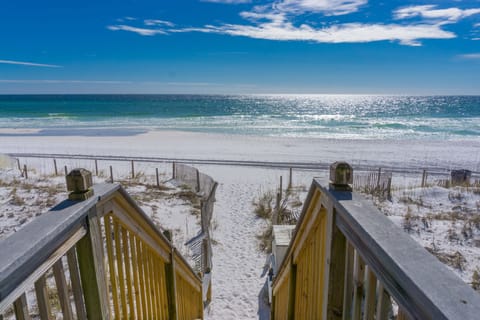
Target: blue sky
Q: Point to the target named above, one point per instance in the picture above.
(240, 46)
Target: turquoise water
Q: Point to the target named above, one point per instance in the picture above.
(324, 116)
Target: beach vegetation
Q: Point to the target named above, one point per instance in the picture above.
(476, 280)
(263, 205)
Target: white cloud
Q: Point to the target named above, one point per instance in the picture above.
(276, 22)
(327, 7)
(343, 33)
(477, 25)
(470, 56)
(30, 64)
(430, 12)
(140, 31)
(156, 22)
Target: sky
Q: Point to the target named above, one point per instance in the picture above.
(240, 46)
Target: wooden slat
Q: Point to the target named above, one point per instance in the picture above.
(348, 282)
(76, 284)
(111, 265)
(120, 267)
(42, 298)
(153, 297)
(336, 281)
(128, 274)
(62, 290)
(384, 303)
(402, 314)
(141, 276)
(370, 290)
(171, 287)
(157, 286)
(91, 263)
(358, 278)
(21, 308)
(135, 273)
(148, 280)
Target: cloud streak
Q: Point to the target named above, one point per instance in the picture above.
(279, 21)
(140, 31)
(470, 56)
(429, 12)
(29, 64)
(327, 7)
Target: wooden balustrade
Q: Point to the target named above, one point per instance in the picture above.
(347, 260)
(101, 258)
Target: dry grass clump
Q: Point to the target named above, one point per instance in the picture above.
(476, 280)
(264, 206)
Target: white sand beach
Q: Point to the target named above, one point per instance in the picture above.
(238, 272)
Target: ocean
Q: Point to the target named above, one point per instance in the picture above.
(309, 116)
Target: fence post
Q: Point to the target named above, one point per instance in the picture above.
(424, 178)
(55, 166)
(19, 166)
(111, 174)
(275, 213)
(198, 181)
(66, 170)
(281, 187)
(290, 183)
(92, 272)
(171, 281)
(158, 180)
(96, 167)
(378, 178)
(174, 174)
(25, 171)
(133, 169)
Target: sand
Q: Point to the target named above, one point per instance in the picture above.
(238, 272)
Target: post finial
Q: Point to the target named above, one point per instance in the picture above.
(79, 183)
(341, 176)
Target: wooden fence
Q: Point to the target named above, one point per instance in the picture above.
(206, 187)
(347, 260)
(105, 255)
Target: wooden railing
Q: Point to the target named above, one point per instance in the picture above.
(108, 261)
(347, 260)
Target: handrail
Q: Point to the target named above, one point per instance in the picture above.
(119, 263)
(356, 259)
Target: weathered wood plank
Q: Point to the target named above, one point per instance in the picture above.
(384, 303)
(21, 308)
(336, 282)
(358, 280)
(348, 282)
(128, 274)
(117, 230)
(370, 290)
(142, 278)
(171, 287)
(107, 221)
(62, 290)
(76, 284)
(135, 275)
(42, 298)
